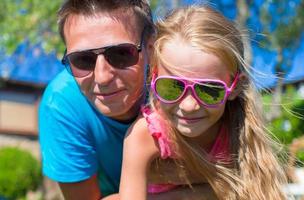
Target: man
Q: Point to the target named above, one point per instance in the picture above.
(87, 108)
(84, 114)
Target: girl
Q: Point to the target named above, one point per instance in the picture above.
(203, 114)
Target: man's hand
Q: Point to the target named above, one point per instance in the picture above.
(87, 190)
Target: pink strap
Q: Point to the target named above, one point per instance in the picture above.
(159, 188)
(158, 130)
(220, 148)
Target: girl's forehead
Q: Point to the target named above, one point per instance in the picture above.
(181, 59)
(188, 71)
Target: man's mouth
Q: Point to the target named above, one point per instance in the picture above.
(107, 95)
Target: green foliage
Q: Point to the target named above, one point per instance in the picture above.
(300, 156)
(283, 30)
(153, 4)
(290, 124)
(34, 20)
(20, 172)
(287, 31)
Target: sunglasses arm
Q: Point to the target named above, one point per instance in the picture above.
(154, 75)
(63, 60)
(234, 83)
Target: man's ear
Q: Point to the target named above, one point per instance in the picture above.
(238, 88)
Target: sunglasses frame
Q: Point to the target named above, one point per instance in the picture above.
(97, 51)
(190, 86)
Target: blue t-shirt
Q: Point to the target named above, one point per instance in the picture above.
(76, 140)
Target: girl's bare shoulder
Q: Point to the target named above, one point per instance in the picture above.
(139, 128)
(138, 135)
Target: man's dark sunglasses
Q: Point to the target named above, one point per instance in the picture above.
(121, 56)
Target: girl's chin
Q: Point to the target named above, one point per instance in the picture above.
(189, 132)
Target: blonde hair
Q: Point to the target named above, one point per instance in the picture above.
(254, 172)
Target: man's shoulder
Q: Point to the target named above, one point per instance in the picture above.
(63, 95)
(62, 88)
(63, 82)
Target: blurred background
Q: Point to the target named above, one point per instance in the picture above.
(30, 53)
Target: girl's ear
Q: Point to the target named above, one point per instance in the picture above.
(237, 90)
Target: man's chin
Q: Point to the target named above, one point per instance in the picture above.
(122, 111)
(111, 111)
(117, 112)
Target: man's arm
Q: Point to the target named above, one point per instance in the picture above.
(68, 153)
(87, 189)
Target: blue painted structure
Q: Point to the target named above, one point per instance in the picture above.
(29, 64)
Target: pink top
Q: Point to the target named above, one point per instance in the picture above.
(219, 150)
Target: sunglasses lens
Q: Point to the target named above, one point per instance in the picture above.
(211, 93)
(122, 56)
(82, 63)
(169, 89)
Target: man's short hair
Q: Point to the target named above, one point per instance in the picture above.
(140, 8)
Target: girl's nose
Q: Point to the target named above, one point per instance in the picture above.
(189, 103)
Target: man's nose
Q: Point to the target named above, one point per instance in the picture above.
(103, 71)
(189, 103)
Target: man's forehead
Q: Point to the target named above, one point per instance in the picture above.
(125, 17)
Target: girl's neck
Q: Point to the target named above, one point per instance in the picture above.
(207, 139)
